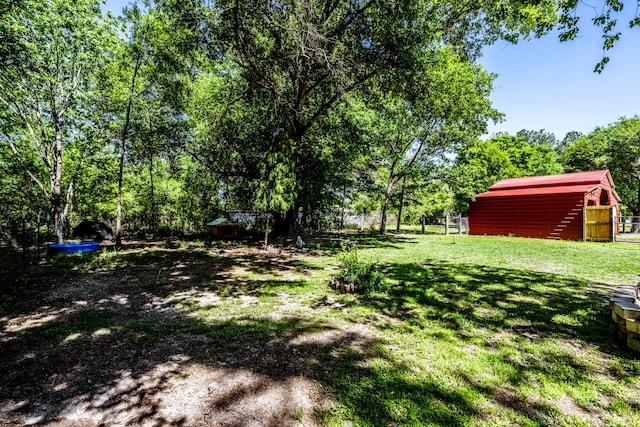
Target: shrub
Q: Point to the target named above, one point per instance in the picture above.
(359, 272)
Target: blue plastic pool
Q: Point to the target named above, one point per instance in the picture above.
(73, 248)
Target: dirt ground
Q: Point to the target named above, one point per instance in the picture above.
(110, 347)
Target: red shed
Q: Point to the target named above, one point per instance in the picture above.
(548, 207)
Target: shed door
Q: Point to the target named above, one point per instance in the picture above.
(598, 224)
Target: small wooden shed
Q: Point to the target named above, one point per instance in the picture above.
(550, 207)
(222, 228)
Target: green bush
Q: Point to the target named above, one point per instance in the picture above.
(359, 271)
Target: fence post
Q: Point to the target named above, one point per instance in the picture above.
(459, 224)
(613, 224)
(48, 230)
(422, 221)
(24, 242)
(38, 244)
(446, 225)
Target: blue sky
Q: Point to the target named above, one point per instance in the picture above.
(545, 84)
(115, 5)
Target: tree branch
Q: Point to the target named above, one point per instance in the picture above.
(335, 98)
(16, 109)
(24, 165)
(348, 20)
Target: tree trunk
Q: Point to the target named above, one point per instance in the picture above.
(635, 227)
(385, 205)
(119, 203)
(56, 214)
(344, 203)
(404, 182)
(125, 131)
(387, 197)
(266, 231)
(153, 197)
(56, 183)
(284, 224)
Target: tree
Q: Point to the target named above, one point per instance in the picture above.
(617, 148)
(43, 90)
(587, 153)
(569, 138)
(149, 91)
(486, 162)
(624, 160)
(10, 42)
(538, 137)
(19, 197)
(431, 199)
(604, 16)
(299, 59)
(439, 110)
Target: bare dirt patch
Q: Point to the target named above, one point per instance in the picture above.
(113, 346)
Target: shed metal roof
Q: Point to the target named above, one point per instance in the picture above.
(219, 221)
(563, 189)
(567, 183)
(576, 178)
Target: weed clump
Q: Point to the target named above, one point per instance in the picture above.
(358, 274)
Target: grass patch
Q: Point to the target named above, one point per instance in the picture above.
(486, 331)
(470, 330)
(81, 324)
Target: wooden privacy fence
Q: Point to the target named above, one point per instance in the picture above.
(598, 224)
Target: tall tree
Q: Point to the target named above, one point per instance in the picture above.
(43, 90)
(624, 160)
(538, 137)
(300, 58)
(615, 147)
(569, 138)
(149, 89)
(443, 107)
(486, 162)
(588, 152)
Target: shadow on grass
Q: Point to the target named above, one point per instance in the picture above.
(116, 345)
(333, 243)
(126, 374)
(112, 335)
(157, 269)
(527, 327)
(68, 369)
(530, 303)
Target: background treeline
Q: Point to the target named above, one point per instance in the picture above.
(179, 112)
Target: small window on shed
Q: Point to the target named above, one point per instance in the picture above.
(604, 198)
(591, 202)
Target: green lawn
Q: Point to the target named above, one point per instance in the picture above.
(491, 331)
(501, 330)
(477, 331)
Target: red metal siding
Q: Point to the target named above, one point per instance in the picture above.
(555, 216)
(548, 207)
